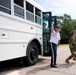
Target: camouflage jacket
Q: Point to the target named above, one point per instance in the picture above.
(72, 42)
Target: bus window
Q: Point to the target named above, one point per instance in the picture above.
(29, 12)
(19, 2)
(38, 16)
(5, 6)
(45, 23)
(19, 8)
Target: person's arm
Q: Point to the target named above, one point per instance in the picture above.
(58, 43)
(73, 42)
(52, 30)
(59, 40)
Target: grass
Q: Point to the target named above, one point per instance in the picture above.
(64, 44)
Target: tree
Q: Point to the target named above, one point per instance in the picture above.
(67, 26)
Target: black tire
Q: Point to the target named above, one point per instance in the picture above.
(32, 54)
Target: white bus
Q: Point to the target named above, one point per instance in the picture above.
(21, 30)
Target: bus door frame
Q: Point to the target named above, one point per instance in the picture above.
(49, 26)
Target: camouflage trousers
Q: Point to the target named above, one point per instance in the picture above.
(73, 55)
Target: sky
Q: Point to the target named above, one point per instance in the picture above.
(59, 7)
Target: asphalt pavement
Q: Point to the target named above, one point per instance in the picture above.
(43, 66)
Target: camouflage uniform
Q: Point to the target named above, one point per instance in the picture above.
(72, 46)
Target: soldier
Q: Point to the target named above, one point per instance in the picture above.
(72, 46)
(54, 41)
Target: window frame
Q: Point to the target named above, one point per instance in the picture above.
(18, 4)
(20, 7)
(6, 8)
(23, 13)
(32, 13)
(40, 17)
(32, 7)
(36, 13)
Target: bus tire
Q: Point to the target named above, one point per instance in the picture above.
(32, 54)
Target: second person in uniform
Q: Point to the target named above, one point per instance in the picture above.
(72, 46)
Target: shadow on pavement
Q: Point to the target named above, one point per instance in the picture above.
(65, 65)
(9, 66)
(35, 70)
(47, 67)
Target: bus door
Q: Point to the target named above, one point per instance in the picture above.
(48, 22)
(47, 18)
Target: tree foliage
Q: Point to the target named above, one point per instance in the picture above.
(67, 26)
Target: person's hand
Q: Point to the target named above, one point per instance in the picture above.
(57, 45)
(52, 30)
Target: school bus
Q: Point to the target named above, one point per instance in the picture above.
(24, 30)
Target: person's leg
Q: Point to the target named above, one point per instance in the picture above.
(74, 56)
(53, 56)
(72, 53)
(55, 53)
(70, 57)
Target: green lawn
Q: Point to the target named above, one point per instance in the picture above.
(64, 44)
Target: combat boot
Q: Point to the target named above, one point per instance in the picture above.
(74, 59)
(67, 61)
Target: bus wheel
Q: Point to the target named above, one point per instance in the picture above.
(32, 54)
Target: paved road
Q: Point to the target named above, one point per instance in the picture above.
(42, 67)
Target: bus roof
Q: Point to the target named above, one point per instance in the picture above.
(35, 4)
